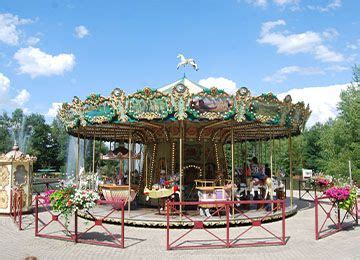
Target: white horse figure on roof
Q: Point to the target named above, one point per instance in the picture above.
(184, 62)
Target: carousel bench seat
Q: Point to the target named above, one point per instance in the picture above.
(116, 193)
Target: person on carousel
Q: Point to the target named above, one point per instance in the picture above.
(162, 181)
(258, 175)
(175, 179)
(257, 172)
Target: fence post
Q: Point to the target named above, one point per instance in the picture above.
(316, 218)
(356, 212)
(36, 215)
(11, 202)
(76, 227)
(167, 226)
(20, 208)
(228, 224)
(122, 225)
(283, 222)
(338, 216)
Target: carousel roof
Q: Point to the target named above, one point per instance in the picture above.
(193, 87)
(150, 114)
(16, 155)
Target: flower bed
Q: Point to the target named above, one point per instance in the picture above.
(69, 199)
(320, 182)
(345, 196)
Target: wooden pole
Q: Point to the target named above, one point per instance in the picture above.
(350, 174)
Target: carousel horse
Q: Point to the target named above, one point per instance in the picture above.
(89, 180)
(269, 185)
(184, 62)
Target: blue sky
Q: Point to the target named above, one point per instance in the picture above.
(53, 50)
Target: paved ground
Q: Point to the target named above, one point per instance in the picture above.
(142, 243)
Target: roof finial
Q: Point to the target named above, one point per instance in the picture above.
(184, 62)
(15, 147)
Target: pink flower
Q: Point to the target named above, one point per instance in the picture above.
(338, 193)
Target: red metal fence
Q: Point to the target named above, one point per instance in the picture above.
(54, 225)
(224, 213)
(16, 205)
(305, 190)
(329, 218)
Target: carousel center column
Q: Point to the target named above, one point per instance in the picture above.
(129, 171)
(181, 162)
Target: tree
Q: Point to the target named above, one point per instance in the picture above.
(43, 145)
(312, 148)
(340, 138)
(62, 139)
(5, 136)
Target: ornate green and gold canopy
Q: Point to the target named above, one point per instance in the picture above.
(151, 114)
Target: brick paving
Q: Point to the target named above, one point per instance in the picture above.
(145, 243)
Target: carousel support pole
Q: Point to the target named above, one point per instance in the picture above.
(232, 169)
(246, 152)
(241, 154)
(291, 172)
(271, 174)
(204, 173)
(181, 164)
(77, 173)
(129, 171)
(273, 155)
(93, 156)
(146, 166)
(84, 153)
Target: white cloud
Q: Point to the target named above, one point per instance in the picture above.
(53, 110)
(227, 85)
(322, 101)
(324, 54)
(21, 98)
(353, 46)
(261, 3)
(9, 32)
(337, 68)
(330, 33)
(5, 101)
(333, 4)
(306, 42)
(281, 75)
(35, 62)
(32, 40)
(81, 31)
(4, 88)
(286, 2)
(264, 3)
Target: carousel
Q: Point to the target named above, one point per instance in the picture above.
(191, 143)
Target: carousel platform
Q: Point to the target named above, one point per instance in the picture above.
(150, 217)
